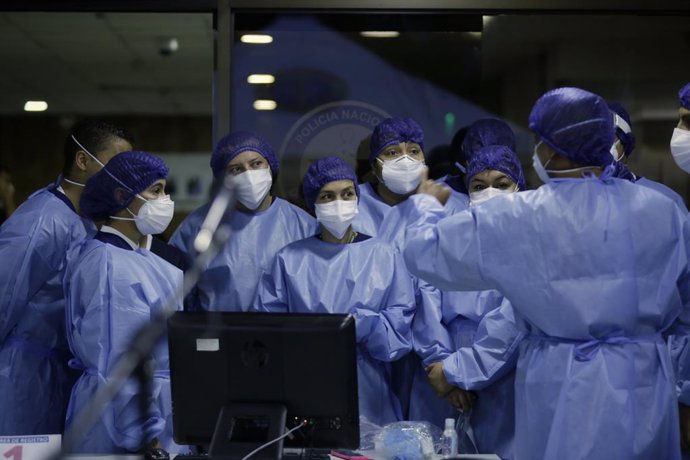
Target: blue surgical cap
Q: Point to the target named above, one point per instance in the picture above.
(237, 142)
(497, 158)
(621, 171)
(393, 131)
(627, 138)
(323, 171)
(684, 96)
(576, 124)
(487, 131)
(113, 188)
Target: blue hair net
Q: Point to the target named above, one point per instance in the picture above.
(487, 131)
(684, 96)
(627, 138)
(394, 131)
(576, 124)
(237, 142)
(113, 188)
(498, 158)
(323, 171)
(621, 171)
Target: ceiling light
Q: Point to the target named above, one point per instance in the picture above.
(260, 79)
(256, 39)
(380, 33)
(35, 106)
(265, 104)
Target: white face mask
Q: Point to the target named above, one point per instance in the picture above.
(336, 216)
(680, 148)
(538, 167)
(477, 198)
(543, 173)
(78, 184)
(153, 217)
(252, 186)
(402, 175)
(614, 151)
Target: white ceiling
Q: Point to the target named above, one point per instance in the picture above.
(106, 62)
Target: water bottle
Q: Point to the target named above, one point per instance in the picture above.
(449, 443)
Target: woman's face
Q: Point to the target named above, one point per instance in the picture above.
(491, 178)
(337, 190)
(395, 151)
(154, 192)
(246, 161)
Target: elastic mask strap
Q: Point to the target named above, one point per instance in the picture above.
(73, 183)
(125, 218)
(572, 170)
(87, 152)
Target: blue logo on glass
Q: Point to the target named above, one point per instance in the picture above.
(339, 128)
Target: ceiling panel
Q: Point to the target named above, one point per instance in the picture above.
(95, 63)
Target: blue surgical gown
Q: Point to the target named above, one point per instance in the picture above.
(378, 218)
(469, 324)
(35, 380)
(661, 188)
(112, 291)
(598, 269)
(231, 279)
(366, 279)
(388, 223)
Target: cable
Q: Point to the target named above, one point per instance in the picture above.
(275, 440)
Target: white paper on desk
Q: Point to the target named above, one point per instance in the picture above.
(37, 447)
(372, 454)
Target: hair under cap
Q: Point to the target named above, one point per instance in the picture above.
(684, 96)
(484, 132)
(393, 131)
(237, 142)
(113, 188)
(496, 158)
(323, 171)
(576, 124)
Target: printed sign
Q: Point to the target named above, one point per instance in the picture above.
(29, 447)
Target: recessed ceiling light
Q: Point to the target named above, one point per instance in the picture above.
(35, 106)
(265, 104)
(256, 39)
(260, 79)
(380, 33)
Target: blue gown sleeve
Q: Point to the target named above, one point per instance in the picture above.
(385, 331)
(492, 355)
(113, 314)
(444, 251)
(678, 335)
(431, 339)
(271, 295)
(31, 251)
(182, 240)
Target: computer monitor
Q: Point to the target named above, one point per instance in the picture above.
(231, 373)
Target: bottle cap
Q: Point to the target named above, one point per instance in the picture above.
(450, 424)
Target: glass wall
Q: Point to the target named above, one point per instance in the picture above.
(316, 84)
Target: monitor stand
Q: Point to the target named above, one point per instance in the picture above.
(242, 427)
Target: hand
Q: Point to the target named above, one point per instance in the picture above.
(684, 413)
(437, 379)
(430, 187)
(461, 399)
